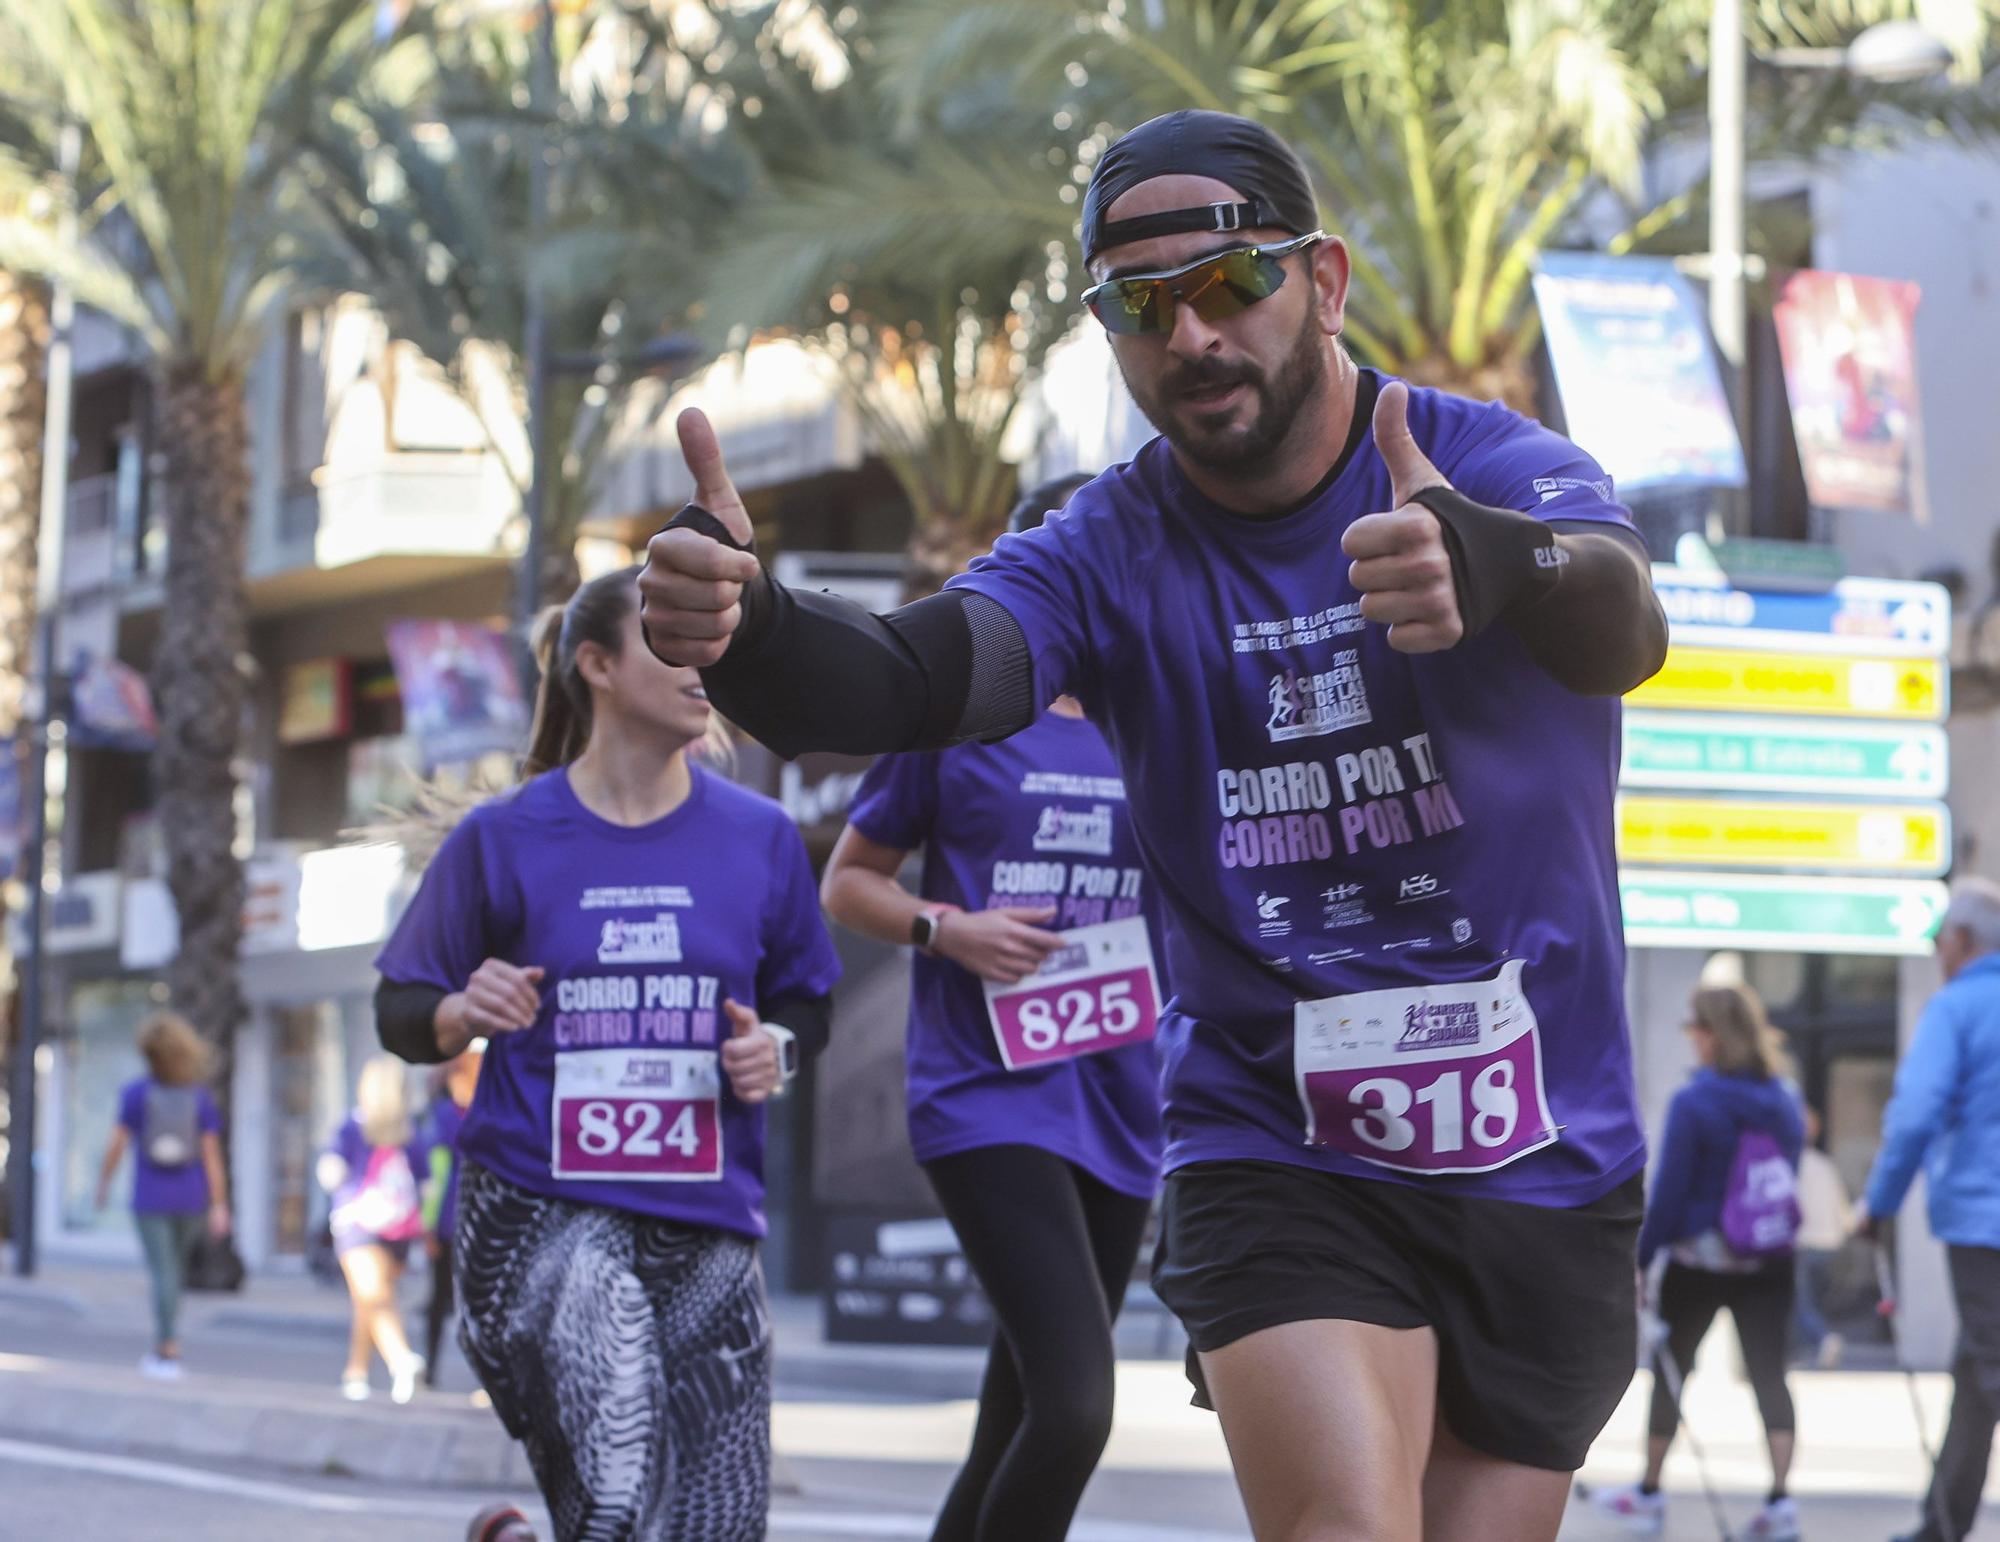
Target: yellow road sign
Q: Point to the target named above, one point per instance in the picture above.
(1725, 680)
(1902, 838)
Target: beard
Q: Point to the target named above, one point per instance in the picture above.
(1237, 445)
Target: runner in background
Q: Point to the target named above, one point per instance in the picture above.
(639, 942)
(1033, 1099)
(1356, 647)
(175, 1131)
(452, 1087)
(370, 1169)
(1724, 1208)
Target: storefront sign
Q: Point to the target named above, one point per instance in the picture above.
(891, 1281)
(111, 707)
(1912, 839)
(1857, 615)
(1726, 680)
(1751, 754)
(317, 702)
(1637, 375)
(1850, 358)
(461, 689)
(1806, 915)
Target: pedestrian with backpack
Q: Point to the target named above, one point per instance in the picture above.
(1725, 1209)
(175, 1131)
(370, 1169)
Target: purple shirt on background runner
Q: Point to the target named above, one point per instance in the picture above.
(1038, 819)
(1326, 816)
(353, 1149)
(160, 1190)
(643, 931)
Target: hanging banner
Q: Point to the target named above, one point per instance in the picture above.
(461, 690)
(10, 808)
(110, 707)
(1850, 357)
(1638, 379)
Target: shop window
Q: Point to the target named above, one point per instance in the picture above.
(1857, 980)
(308, 1099)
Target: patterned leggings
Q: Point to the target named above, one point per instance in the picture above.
(631, 1356)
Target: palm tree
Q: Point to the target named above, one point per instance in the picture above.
(837, 243)
(418, 172)
(191, 109)
(1452, 139)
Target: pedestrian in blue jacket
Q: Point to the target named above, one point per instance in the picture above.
(1945, 1117)
(1738, 1086)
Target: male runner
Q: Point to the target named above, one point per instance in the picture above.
(1361, 687)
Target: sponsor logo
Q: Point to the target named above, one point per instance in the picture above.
(1339, 955)
(1061, 829)
(1418, 886)
(1341, 893)
(647, 1073)
(657, 941)
(1431, 1025)
(1304, 706)
(1551, 557)
(1270, 919)
(1461, 931)
(1555, 487)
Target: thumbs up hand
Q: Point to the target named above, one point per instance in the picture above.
(691, 591)
(750, 1056)
(1401, 567)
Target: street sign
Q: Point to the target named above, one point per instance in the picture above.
(1907, 838)
(1729, 680)
(1773, 754)
(1877, 616)
(1806, 915)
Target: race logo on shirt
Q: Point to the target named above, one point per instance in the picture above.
(1304, 706)
(1271, 920)
(1061, 829)
(1297, 631)
(657, 941)
(636, 897)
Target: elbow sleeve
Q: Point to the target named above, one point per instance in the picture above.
(406, 1021)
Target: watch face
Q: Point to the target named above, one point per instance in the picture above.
(923, 930)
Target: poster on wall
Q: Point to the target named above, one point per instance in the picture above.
(316, 701)
(461, 689)
(1850, 354)
(1638, 378)
(111, 707)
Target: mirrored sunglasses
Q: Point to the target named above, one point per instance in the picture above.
(1216, 286)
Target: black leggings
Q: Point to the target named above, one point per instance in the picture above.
(1054, 1250)
(1761, 1303)
(438, 1313)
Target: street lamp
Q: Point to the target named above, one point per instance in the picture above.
(1889, 52)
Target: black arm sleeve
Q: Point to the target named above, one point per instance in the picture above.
(406, 1021)
(809, 1017)
(1579, 593)
(812, 671)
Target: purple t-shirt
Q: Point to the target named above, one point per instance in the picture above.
(615, 1096)
(160, 1190)
(356, 1216)
(1036, 820)
(1326, 817)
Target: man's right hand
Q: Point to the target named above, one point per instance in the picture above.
(691, 591)
(1004, 946)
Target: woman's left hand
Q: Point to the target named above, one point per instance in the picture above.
(750, 1056)
(219, 1220)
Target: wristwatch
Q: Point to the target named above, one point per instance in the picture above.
(788, 1048)
(924, 926)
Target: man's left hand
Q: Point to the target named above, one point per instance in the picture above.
(1400, 563)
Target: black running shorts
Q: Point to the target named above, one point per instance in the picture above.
(1535, 1309)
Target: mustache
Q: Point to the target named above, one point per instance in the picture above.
(1209, 375)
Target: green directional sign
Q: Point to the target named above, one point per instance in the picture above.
(1772, 754)
(1802, 915)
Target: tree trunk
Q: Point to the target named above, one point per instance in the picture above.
(198, 679)
(24, 337)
